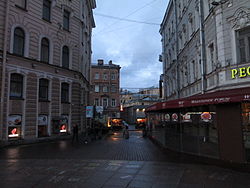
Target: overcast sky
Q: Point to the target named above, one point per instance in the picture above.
(134, 46)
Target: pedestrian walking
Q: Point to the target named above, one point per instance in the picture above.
(75, 133)
(125, 132)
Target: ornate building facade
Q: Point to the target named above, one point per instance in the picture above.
(205, 46)
(45, 48)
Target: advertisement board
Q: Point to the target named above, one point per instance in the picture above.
(14, 126)
(89, 111)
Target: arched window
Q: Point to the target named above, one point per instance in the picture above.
(65, 93)
(65, 57)
(45, 50)
(19, 38)
(16, 85)
(43, 89)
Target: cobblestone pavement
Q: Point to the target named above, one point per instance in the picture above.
(110, 163)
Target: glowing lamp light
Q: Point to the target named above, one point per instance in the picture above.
(13, 135)
(63, 129)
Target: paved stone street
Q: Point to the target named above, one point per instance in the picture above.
(109, 163)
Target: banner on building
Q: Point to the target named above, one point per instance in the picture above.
(89, 111)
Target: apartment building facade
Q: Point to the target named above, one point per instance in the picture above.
(45, 66)
(202, 41)
(105, 81)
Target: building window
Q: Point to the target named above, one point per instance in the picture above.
(97, 76)
(19, 38)
(65, 57)
(104, 102)
(21, 3)
(46, 10)
(113, 102)
(65, 93)
(16, 85)
(66, 15)
(43, 89)
(113, 88)
(105, 89)
(45, 50)
(97, 88)
(105, 76)
(112, 76)
(96, 102)
(243, 39)
(211, 55)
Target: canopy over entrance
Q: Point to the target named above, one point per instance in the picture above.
(223, 96)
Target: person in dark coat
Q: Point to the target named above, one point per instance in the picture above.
(75, 133)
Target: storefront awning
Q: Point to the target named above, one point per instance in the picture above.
(223, 96)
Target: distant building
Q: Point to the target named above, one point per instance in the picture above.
(134, 104)
(105, 82)
(45, 54)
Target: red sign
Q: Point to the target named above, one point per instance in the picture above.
(206, 116)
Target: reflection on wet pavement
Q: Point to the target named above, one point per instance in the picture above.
(113, 162)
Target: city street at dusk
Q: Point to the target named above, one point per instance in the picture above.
(125, 94)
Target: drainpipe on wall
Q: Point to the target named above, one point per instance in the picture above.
(203, 49)
(4, 66)
(177, 48)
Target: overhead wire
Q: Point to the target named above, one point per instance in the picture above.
(127, 20)
(133, 12)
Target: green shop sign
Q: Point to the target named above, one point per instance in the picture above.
(240, 72)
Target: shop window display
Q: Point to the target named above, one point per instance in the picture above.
(191, 130)
(14, 126)
(42, 125)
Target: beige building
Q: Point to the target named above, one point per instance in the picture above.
(105, 81)
(45, 48)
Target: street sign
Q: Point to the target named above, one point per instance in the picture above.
(89, 111)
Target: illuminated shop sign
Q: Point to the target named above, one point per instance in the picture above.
(63, 129)
(206, 117)
(167, 117)
(14, 126)
(174, 117)
(240, 72)
(186, 117)
(64, 123)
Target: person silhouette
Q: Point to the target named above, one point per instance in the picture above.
(75, 133)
